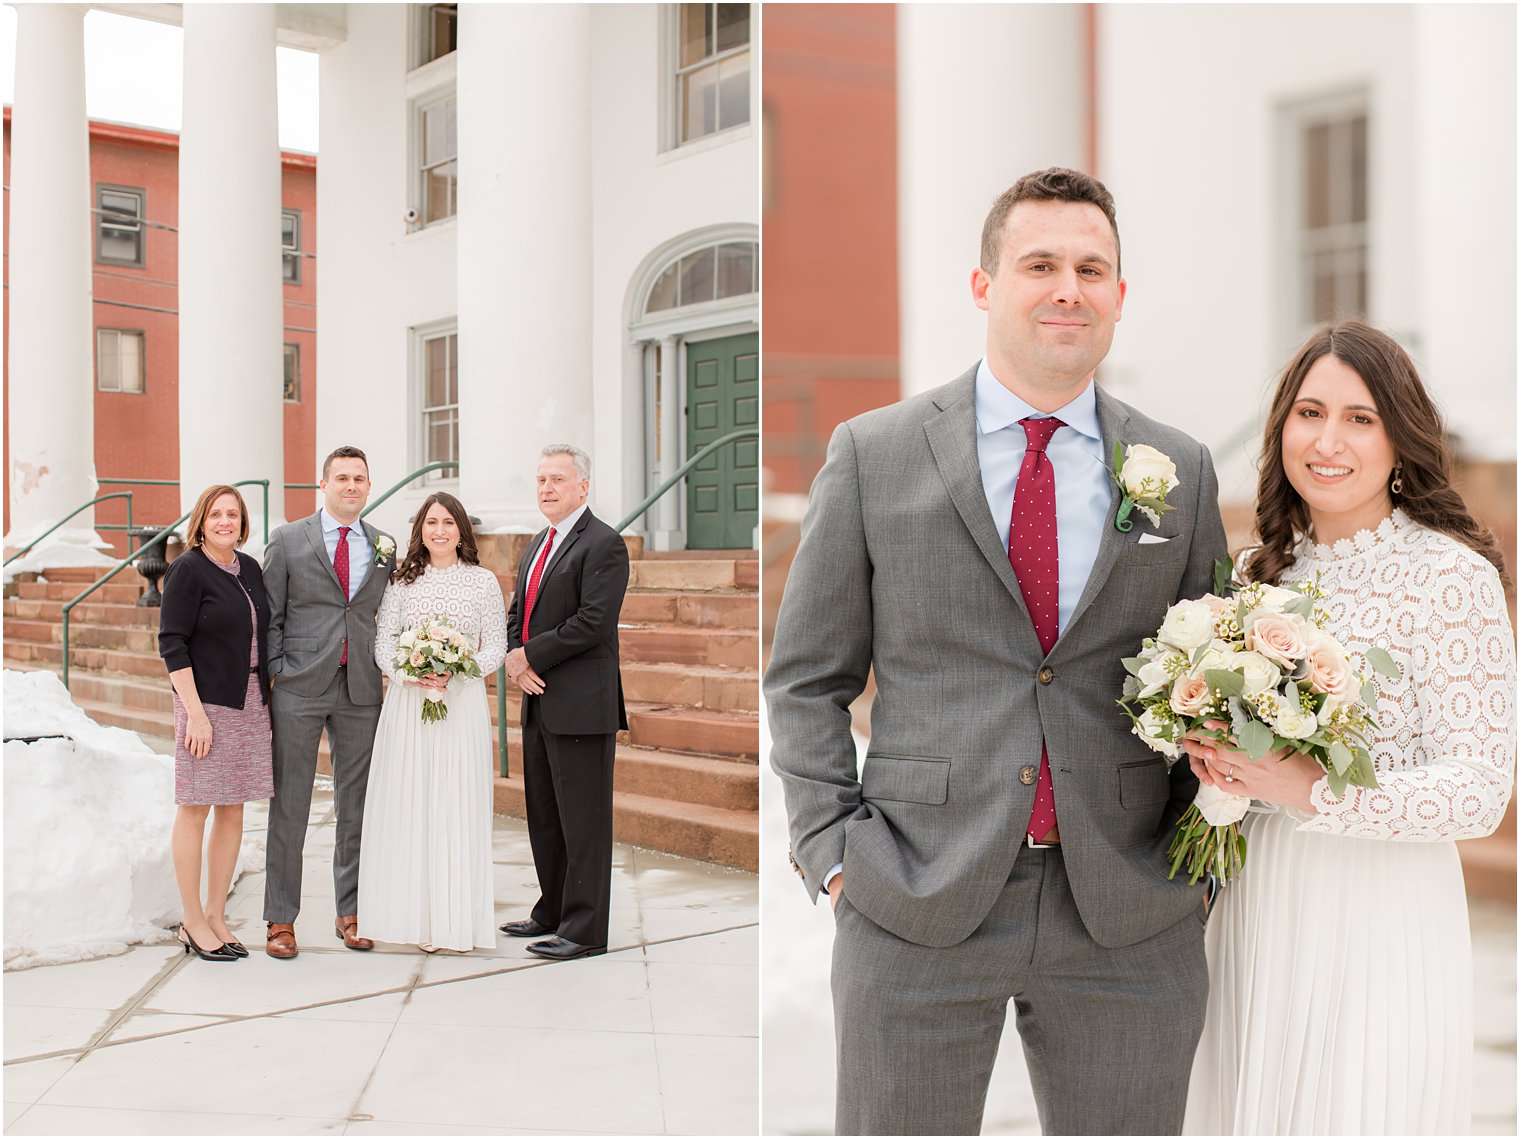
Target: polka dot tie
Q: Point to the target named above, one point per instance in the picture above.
(340, 567)
(1032, 551)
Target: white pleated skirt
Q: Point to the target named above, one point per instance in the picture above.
(425, 854)
(1340, 990)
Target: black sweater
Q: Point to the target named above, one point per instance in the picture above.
(203, 626)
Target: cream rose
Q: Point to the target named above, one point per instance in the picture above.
(1276, 636)
(1293, 723)
(1220, 807)
(1256, 670)
(417, 658)
(1330, 673)
(1147, 729)
(1190, 695)
(1188, 625)
(1147, 472)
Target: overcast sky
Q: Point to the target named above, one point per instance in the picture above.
(133, 75)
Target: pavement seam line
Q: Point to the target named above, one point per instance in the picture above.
(80, 1053)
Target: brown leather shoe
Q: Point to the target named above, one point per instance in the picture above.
(347, 929)
(280, 940)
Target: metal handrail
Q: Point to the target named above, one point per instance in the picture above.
(32, 545)
(731, 437)
(418, 473)
(68, 606)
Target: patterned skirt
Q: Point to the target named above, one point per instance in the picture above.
(239, 768)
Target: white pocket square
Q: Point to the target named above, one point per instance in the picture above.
(1148, 539)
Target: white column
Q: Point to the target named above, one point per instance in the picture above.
(524, 252)
(986, 94)
(231, 294)
(50, 412)
(1465, 60)
(670, 533)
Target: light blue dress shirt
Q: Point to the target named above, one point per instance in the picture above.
(1084, 488)
(361, 555)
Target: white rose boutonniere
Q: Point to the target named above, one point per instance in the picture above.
(1145, 477)
(384, 548)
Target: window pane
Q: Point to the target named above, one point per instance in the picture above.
(119, 206)
(733, 26)
(1359, 168)
(437, 386)
(1317, 176)
(733, 92)
(117, 244)
(1322, 287)
(289, 231)
(440, 191)
(695, 33)
(698, 276)
(699, 103)
(453, 378)
(130, 356)
(736, 270)
(444, 30)
(107, 370)
(439, 133)
(292, 373)
(663, 295)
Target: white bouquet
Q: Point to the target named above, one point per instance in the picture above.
(1257, 658)
(434, 648)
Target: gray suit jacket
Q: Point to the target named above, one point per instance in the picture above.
(902, 569)
(309, 617)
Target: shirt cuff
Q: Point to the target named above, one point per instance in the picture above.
(834, 871)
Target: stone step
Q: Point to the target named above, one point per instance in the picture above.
(698, 555)
(690, 575)
(704, 610)
(81, 574)
(120, 590)
(681, 645)
(695, 686)
(127, 616)
(85, 659)
(730, 838)
(695, 730)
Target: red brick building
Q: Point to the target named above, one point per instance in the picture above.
(134, 176)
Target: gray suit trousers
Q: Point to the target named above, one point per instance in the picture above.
(1108, 1034)
(298, 722)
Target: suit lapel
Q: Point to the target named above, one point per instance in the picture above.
(1112, 419)
(319, 548)
(952, 441)
(375, 570)
(565, 542)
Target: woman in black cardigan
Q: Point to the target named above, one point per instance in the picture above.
(211, 633)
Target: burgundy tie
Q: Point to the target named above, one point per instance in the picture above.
(1032, 551)
(538, 575)
(340, 567)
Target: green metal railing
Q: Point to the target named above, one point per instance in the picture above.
(681, 471)
(417, 474)
(30, 546)
(68, 607)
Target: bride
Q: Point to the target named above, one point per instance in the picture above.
(425, 858)
(1340, 965)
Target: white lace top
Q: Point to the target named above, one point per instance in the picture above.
(469, 595)
(1444, 748)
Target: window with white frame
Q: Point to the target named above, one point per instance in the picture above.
(438, 158)
(716, 272)
(1331, 140)
(118, 360)
(711, 56)
(118, 225)
(440, 400)
(435, 32)
(292, 373)
(290, 245)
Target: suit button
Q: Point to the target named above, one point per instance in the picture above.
(1047, 675)
(1027, 775)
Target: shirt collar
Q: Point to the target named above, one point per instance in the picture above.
(331, 525)
(997, 407)
(562, 528)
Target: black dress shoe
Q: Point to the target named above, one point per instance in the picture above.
(563, 949)
(525, 928)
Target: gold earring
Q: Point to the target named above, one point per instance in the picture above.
(1397, 486)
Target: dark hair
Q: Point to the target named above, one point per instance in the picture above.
(344, 453)
(416, 559)
(1056, 184)
(1413, 426)
(197, 525)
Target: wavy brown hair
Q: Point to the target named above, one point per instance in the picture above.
(417, 560)
(1413, 426)
(196, 533)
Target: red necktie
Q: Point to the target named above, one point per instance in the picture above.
(538, 575)
(1032, 551)
(340, 566)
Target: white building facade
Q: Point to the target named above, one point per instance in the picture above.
(538, 224)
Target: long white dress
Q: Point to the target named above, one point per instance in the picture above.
(425, 855)
(1340, 964)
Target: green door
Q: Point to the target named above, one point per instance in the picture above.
(723, 395)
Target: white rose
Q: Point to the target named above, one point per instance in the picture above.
(1220, 807)
(1217, 655)
(1293, 723)
(1158, 673)
(1256, 670)
(1147, 472)
(1188, 625)
(407, 639)
(1276, 598)
(1147, 729)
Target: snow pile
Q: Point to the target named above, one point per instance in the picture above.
(88, 870)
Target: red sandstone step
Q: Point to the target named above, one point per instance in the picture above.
(680, 645)
(120, 590)
(699, 575)
(696, 730)
(730, 838)
(699, 555)
(697, 686)
(82, 574)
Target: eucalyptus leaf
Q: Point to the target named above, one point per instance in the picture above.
(1341, 758)
(1255, 739)
(1380, 660)
(1226, 681)
(1133, 665)
(1369, 695)
(1302, 605)
(1224, 570)
(1337, 784)
(1118, 458)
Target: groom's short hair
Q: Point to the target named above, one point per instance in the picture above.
(1057, 184)
(343, 453)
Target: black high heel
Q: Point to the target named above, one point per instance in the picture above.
(220, 953)
(237, 948)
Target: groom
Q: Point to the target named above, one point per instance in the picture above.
(1006, 837)
(325, 576)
